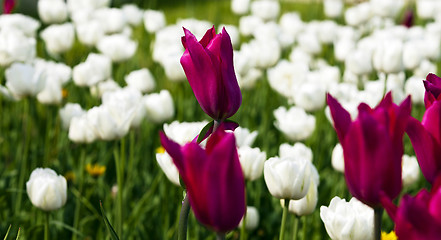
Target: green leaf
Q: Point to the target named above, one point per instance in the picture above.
(204, 131)
(108, 225)
(7, 233)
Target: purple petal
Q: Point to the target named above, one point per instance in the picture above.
(341, 117)
(426, 149)
(174, 150)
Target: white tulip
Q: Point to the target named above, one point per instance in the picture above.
(240, 7)
(89, 32)
(265, 9)
(386, 8)
(183, 132)
(46, 189)
(415, 88)
(425, 8)
(298, 150)
(110, 121)
(310, 96)
(413, 53)
(52, 11)
(81, 5)
(358, 14)
(154, 20)
(23, 23)
(301, 59)
(305, 205)
(337, 159)
(160, 106)
(112, 20)
(359, 61)
(58, 38)
(102, 87)
(342, 48)
(141, 80)
(244, 137)
(287, 178)
(118, 47)
(251, 219)
(424, 68)
(52, 91)
(348, 220)
(127, 102)
(251, 160)
(309, 42)
(168, 167)
(81, 129)
(295, 123)
(247, 24)
(291, 24)
(286, 76)
(411, 170)
(388, 56)
(249, 80)
(23, 80)
(333, 8)
(68, 112)
(132, 13)
(96, 68)
(15, 46)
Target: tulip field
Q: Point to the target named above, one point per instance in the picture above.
(175, 119)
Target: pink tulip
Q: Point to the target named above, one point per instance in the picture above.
(426, 136)
(372, 147)
(213, 178)
(419, 217)
(208, 65)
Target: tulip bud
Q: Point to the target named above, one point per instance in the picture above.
(160, 107)
(251, 160)
(295, 123)
(23, 80)
(117, 47)
(252, 218)
(141, 80)
(52, 11)
(154, 20)
(46, 189)
(411, 170)
(244, 137)
(58, 38)
(208, 65)
(168, 167)
(69, 111)
(287, 178)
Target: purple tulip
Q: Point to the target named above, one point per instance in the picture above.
(408, 18)
(213, 178)
(372, 147)
(426, 136)
(8, 5)
(208, 65)
(419, 217)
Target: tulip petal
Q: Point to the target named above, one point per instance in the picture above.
(341, 117)
(174, 150)
(201, 74)
(425, 147)
(227, 182)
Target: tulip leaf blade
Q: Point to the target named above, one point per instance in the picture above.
(18, 234)
(108, 225)
(204, 131)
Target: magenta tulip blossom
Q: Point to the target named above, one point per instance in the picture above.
(372, 147)
(213, 178)
(419, 217)
(426, 136)
(8, 5)
(208, 65)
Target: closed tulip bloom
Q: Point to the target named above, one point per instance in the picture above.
(348, 220)
(426, 136)
(288, 177)
(208, 65)
(58, 38)
(213, 178)
(46, 189)
(8, 5)
(52, 11)
(69, 111)
(117, 47)
(372, 147)
(411, 170)
(251, 160)
(419, 217)
(305, 205)
(252, 218)
(160, 106)
(24, 80)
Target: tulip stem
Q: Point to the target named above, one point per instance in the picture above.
(243, 230)
(183, 219)
(378, 213)
(216, 124)
(24, 153)
(119, 201)
(284, 215)
(80, 190)
(46, 226)
(296, 228)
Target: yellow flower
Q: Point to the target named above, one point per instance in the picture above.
(64, 93)
(388, 236)
(95, 170)
(160, 150)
